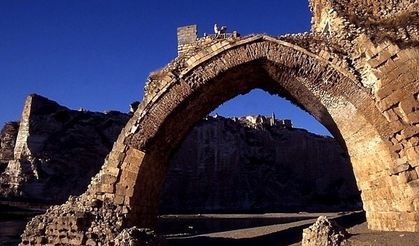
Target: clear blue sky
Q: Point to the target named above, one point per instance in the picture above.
(96, 54)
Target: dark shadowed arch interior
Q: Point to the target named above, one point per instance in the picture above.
(258, 164)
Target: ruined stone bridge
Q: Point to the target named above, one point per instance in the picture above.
(358, 76)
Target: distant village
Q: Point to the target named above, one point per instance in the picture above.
(258, 120)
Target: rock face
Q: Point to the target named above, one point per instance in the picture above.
(257, 164)
(7, 143)
(57, 150)
(324, 232)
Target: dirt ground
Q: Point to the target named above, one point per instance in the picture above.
(290, 233)
(362, 236)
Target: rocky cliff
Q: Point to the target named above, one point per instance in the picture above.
(258, 164)
(240, 164)
(57, 150)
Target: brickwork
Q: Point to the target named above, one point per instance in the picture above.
(186, 36)
(359, 82)
(383, 38)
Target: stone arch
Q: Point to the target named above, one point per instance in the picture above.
(180, 96)
(126, 190)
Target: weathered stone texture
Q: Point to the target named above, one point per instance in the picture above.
(357, 73)
(324, 232)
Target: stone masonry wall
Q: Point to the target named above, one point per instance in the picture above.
(383, 43)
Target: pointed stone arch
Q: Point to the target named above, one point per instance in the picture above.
(182, 96)
(126, 190)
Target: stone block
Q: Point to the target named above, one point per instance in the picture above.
(414, 141)
(134, 155)
(119, 199)
(399, 137)
(132, 166)
(115, 158)
(128, 178)
(384, 92)
(413, 117)
(120, 189)
(388, 67)
(407, 176)
(107, 179)
(390, 101)
(412, 153)
(113, 171)
(395, 80)
(391, 115)
(402, 164)
(381, 57)
(400, 168)
(106, 188)
(410, 132)
(409, 105)
(396, 147)
(413, 188)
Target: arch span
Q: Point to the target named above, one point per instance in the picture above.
(126, 191)
(325, 90)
